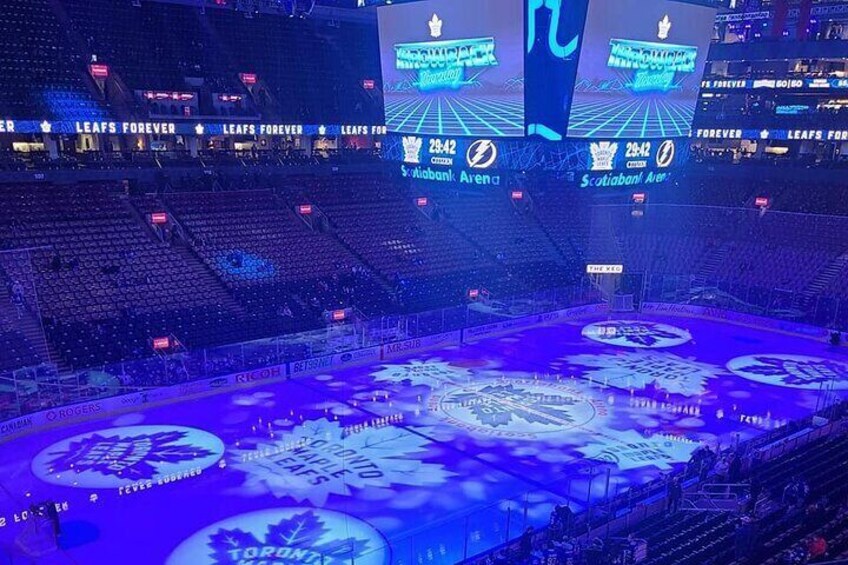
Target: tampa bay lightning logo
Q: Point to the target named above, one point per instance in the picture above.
(794, 371)
(286, 536)
(515, 408)
(628, 333)
(120, 456)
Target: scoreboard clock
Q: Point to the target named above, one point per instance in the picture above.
(637, 150)
(442, 147)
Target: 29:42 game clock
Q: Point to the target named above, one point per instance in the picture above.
(638, 150)
(442, 147)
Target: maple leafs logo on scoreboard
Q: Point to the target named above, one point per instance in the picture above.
(603, 155)
(412, 149)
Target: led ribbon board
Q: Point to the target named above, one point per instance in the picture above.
(442, 64)
(655, 64)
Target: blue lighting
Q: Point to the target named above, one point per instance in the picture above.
(244, 265)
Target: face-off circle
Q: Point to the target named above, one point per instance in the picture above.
(285, 536)
(641, 334)
(515, 408)
(116, 457)
(793, 371)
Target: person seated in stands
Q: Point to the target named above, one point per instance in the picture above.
(796, 492)
(18, 297)
(817, 512)
(235, 259)
(817, 547)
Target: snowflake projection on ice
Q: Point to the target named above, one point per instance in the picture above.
(638, 369)
(516, 408)
(642, 334)
(119, 456)
(432, 373)
(285, 536)
(793, 371)
(316, 460)
(630, 450)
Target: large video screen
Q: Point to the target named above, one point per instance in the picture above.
(454, 67)
(640, 69)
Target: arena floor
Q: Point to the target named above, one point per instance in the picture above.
(416, 461)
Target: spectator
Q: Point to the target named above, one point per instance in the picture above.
(816, 547)
(675, 494)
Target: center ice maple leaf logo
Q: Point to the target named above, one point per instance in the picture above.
(130, 457)
(302, 539)
(500, 405)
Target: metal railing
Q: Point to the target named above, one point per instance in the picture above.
(41, 387)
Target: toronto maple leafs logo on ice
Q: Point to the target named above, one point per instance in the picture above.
(629, 333)
(795, 371)
(118, 456)
(631, 450)
(288, 536)
(638, 370)
(515, 408)
(317, 459)
(431, 373)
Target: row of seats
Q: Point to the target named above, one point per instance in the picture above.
(308, 72)
(42, 79)
(105, 284)
(237, 265)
